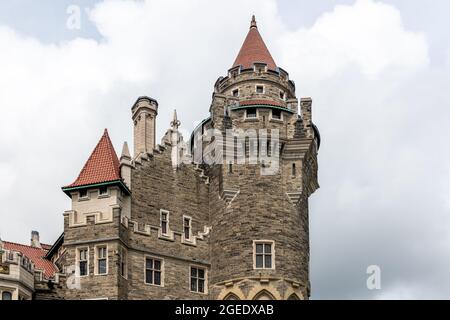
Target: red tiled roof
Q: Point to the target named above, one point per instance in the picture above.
(254, 50)
(36, 255)
(261, 102)
(102, 166)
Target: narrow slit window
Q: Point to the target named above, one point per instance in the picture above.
(164, 222)
(187, 228)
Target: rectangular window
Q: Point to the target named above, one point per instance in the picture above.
(164, 222)
(236, 93)
(263, 255)
(83, 193)
(103, 191)
(251, 113)
(153, 271)
(259, 89)
(187, 228)
(198, 279)
(276, 114)
(102, 260)
(282, 95)
(83, 255)
(123, 262)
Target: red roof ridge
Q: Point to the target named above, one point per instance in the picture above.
(254, 50)
(102, 166)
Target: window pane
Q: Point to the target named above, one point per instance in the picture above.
(268, 261)
(251, 113)
(157, 278)
(201, 273)
(268, 248)
(193, 272)
(186, 233)
(102, 266)
(83, 268)
(193, 284)
(157, 264)
(149, 276)
(259, 248)
(259, 261)
(6, 295)
(164, 227)
(149, 264)
(201, 285)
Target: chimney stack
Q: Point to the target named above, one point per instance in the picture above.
(35, 239)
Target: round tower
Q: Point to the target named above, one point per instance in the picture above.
(260, 237)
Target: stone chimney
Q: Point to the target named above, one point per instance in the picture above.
(35, 239)
(306, 113)
(144, 113)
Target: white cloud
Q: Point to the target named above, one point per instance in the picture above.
(367, 35)
(382, 122)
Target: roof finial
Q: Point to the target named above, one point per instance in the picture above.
(253, 23)
(175, 122)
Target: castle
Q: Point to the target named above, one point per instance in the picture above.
(223, 215)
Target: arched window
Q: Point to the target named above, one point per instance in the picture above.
(293, 297)
(6, 295)
(231, 296)
(264, 295)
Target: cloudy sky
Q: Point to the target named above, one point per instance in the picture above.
(378, 73)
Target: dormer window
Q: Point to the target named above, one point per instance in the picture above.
(235, 93)
(259, 89)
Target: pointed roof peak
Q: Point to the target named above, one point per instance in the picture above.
(125, 151)
(102, 166)
(253, 22)
(254, 50)
(175, 122)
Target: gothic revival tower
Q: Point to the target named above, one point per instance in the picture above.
(259, 237)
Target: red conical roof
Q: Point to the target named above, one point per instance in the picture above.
(102, 166)
(254, 50)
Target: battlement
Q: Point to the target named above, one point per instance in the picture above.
(259, 72)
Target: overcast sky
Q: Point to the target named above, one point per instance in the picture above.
(378, 73)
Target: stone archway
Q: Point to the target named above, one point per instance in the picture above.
(264, 295)
(231, 296)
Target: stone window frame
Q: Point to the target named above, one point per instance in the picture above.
(2, 292)
(271, 118)
(235, 90)
(206, 280)
(191, 234)
(96, 258)
(169, 235)
(263, 88)
(272, 243)
(123, 259)
(104, 195)
(85, 198)
(77, 260)
(163, 272)
(251, 118)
